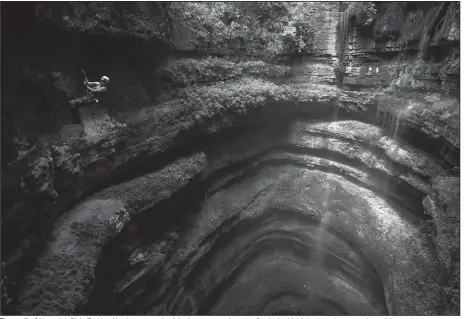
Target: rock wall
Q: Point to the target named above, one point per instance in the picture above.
(408, 47)
(212, 182)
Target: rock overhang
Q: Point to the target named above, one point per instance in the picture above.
(364, 172)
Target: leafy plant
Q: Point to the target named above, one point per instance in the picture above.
(262, 29)
(186, 72)
(60, 278)
(447, 241)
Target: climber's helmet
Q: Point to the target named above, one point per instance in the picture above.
(105, 80)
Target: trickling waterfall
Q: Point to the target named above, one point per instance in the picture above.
(323, 222)
(245, 196)
(398, 117)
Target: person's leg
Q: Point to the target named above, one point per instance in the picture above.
(76, 104)
(85, 100)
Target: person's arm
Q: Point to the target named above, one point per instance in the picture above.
(100, 89)
(91, 84)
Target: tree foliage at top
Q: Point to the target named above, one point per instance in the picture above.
(263, 29)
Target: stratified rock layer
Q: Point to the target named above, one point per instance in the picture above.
(237, 188)
(339, 225)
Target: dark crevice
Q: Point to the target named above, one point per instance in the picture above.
(152, 283)
(32, 48)
(446, 154)
(152, 226)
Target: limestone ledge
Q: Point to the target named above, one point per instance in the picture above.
(67, 265)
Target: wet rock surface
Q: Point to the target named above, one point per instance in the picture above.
(315, 183)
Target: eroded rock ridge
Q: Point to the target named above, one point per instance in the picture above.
(308, 166)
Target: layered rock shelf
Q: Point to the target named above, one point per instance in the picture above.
(315, 180)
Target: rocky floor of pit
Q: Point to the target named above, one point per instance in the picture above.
(304, 217)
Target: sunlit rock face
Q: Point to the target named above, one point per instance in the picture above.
(406, 46)
(408, 54)
(247, 187)
(318, 219)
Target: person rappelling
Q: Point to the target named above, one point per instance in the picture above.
(94, 90)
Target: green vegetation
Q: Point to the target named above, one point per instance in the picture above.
(143, 19)
(249, 94)
(449, 30)
(441, 114)
(66, 159)
(220, 100)
(447, 241)
(438, 283)
(417, 27)
(60, 278)
(185, 72)
(261, 29)
(417, 286)
(92, 232)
